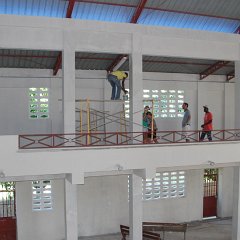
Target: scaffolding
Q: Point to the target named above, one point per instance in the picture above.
(95, 116)
(104, 116)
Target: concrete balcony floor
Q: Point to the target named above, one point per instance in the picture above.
(217, 229)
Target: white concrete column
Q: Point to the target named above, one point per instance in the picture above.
(236, 205)
(135, 207)
(71, 217)
(225, 192)
(68, 88)
(237, 94)
(136, 84)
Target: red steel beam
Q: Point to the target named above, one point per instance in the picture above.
(216, 66)
(70, 8)
(213, 68)
(230, 76)
(138, 11)
(237, 30)
(58, 63)
(26, 56)
(134, 20)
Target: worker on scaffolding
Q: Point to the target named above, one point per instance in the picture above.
(152, 129)
(115, 79)
(145, 123)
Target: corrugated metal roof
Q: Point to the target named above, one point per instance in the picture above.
(211, 15)
(101, 12)
(171, 13)
(101, 61)
(27, 59)
(181, 65)
(180, 20)
(221, 8)
(94, 61)
(47, 8)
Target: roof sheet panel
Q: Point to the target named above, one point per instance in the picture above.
(229, 8)
(101, 12)
(179, 20)
(48, 8)
(27, 59)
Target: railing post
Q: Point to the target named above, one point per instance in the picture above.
(53, 140)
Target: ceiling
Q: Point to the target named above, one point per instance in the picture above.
(205, 15)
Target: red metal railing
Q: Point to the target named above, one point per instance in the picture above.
(35, 141)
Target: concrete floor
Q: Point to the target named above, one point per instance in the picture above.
(207, 230)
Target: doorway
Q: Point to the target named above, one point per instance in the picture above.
(210, 193)
(8, 228)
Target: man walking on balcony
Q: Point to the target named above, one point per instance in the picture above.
(115, 78)
(186, 122)
(207, 126)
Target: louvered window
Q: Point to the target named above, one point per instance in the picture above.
(41, 195)
(165, 185)
(38, 103)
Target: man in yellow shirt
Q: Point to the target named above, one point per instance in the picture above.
(115, 79)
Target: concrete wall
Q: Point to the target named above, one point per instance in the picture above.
(44, 224)
(225, 192)
(14, 84)
(90, 36)
(102, 206)
(181, 209)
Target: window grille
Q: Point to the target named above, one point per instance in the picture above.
(38, 103)
(41, 195)
(171, 103)
(164, 103)
(165, 185)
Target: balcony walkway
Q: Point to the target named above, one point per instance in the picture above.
(36, 141)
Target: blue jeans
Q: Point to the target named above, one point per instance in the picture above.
(116, 87)
(209, 136)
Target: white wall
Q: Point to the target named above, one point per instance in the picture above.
(44, 224)
(103, 204)
(181, 209)
(14, 84)
(225, 192)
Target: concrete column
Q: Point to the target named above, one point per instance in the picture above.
(68, 94)
(135, 207)
(71, 218)
(225, 192)
(136, 84)
(236, 204)
(237, 94)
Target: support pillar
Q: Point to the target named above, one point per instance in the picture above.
(68, 88)
(71, 217)
(237, 94)
(135, 207)
(136, 84)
